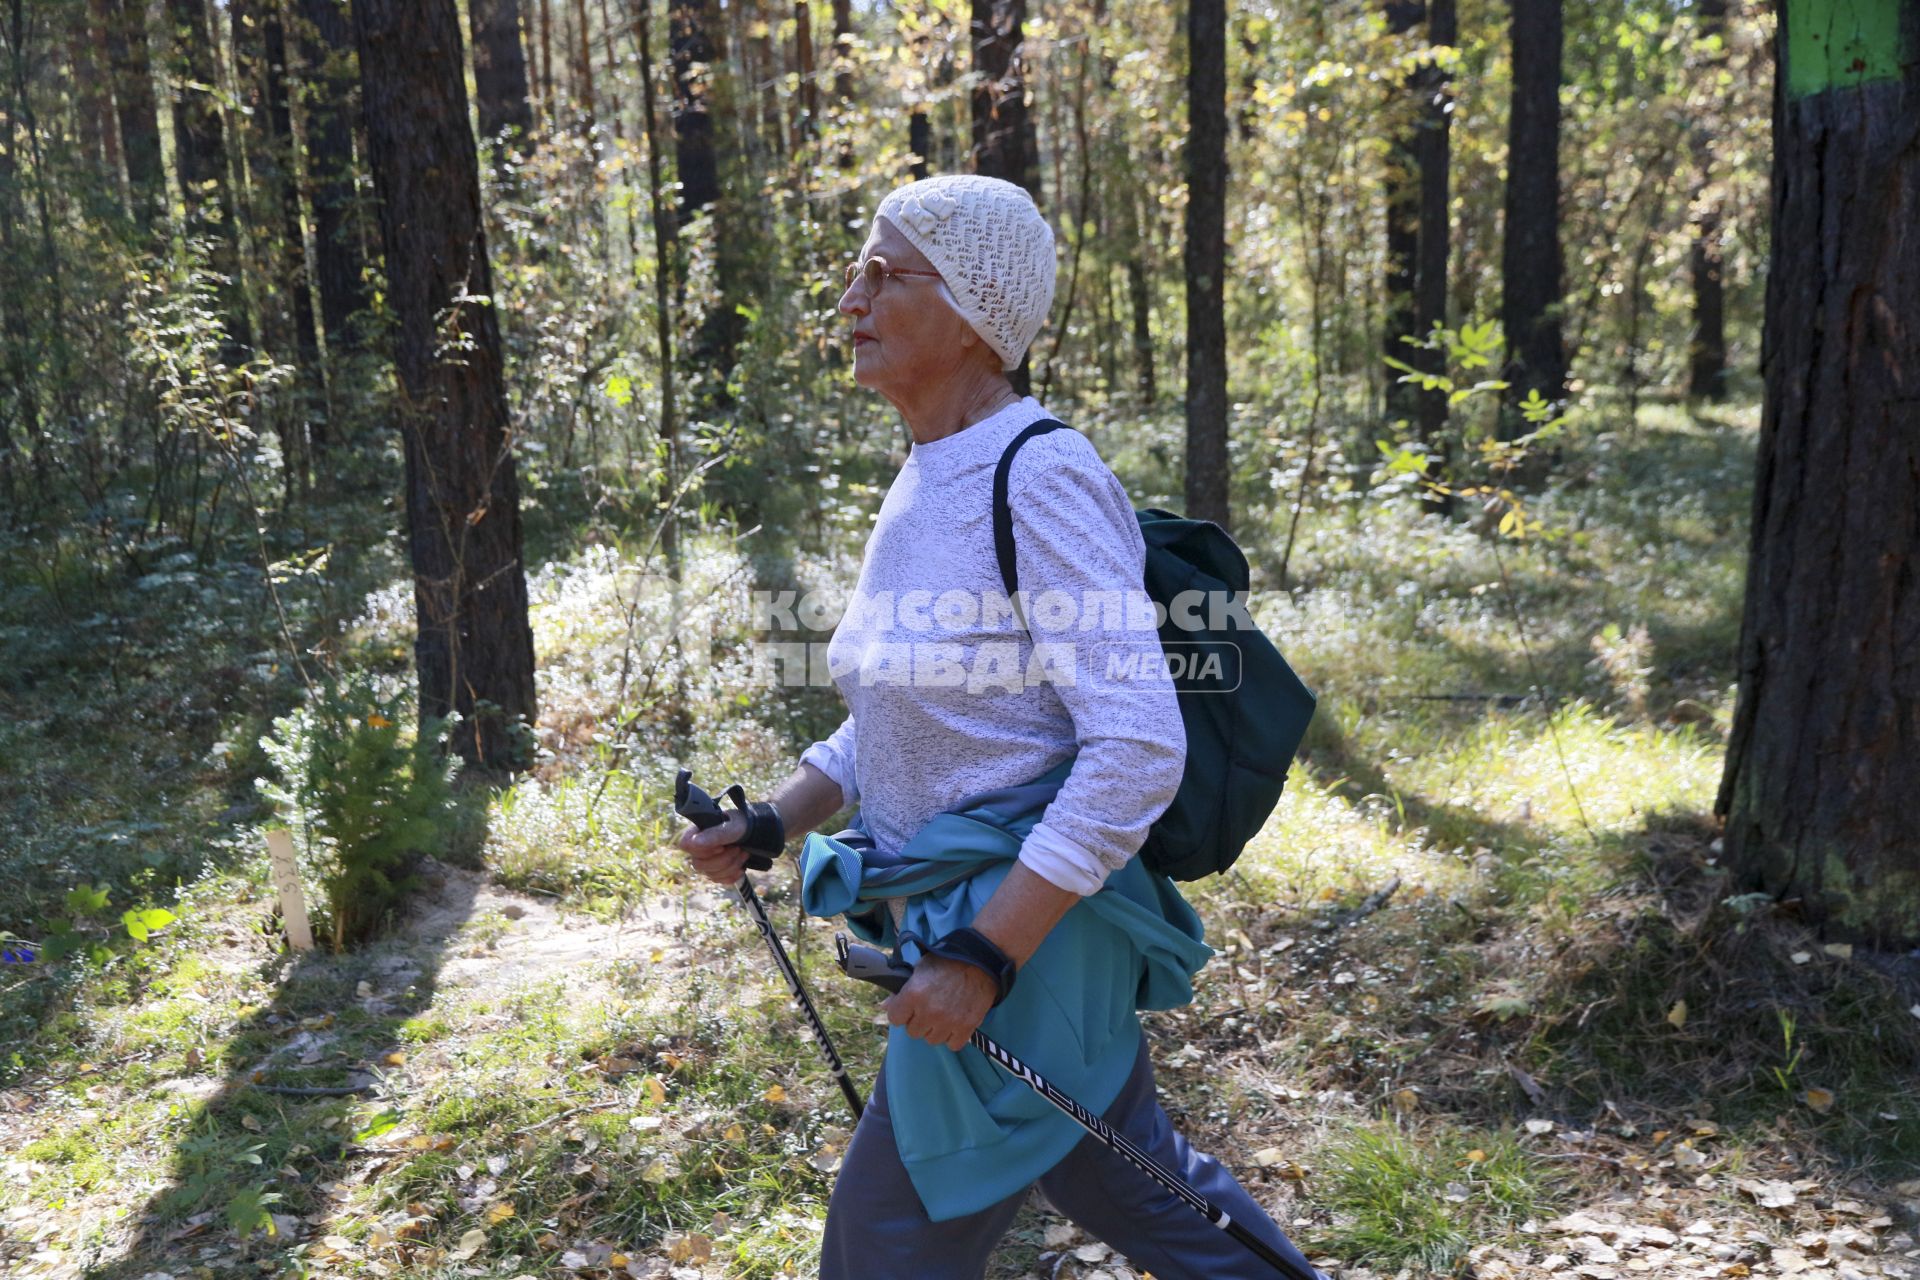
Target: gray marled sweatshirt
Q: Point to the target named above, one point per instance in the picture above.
(950, 696)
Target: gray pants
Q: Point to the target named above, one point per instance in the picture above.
(878, 1230)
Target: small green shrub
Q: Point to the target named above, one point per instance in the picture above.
(362, 798)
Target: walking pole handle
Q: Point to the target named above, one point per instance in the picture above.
(699, 808)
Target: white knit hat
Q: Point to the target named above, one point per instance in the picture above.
(988, 240)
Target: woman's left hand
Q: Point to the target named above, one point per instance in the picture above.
(943, 1002)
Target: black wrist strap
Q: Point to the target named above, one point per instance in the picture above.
(766, 837)
(970, 946)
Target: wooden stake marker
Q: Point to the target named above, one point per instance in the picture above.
(286, 879)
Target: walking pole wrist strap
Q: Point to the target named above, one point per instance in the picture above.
(970, 946)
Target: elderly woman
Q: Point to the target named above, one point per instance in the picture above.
(973, 745)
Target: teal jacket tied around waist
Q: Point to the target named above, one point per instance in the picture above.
(970, 1134)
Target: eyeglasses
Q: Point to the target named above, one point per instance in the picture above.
(875, 270)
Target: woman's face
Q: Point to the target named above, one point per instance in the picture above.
(905, 335)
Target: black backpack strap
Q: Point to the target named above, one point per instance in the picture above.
(1003, 513)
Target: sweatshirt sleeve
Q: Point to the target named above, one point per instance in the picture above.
(1075, 533)
(834, 757)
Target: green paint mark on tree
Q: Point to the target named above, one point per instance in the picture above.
(1837, 44)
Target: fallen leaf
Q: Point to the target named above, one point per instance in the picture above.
(470, 1244)
(1801, 957)
(1820, 1100)
(1678, 1014)
(1538, 1127)
(1095, 1252)
(735, 1133)
(396, 1059)
(775, 1093)
(1060, 1234)
(1267, 1157)
(1839, 950)
(655, 1090)
(500, 1212)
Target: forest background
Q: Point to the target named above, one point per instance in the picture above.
(401, 403)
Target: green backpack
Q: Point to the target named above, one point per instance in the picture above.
(1244, 709)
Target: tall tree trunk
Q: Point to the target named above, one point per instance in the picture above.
(474, 651)
(1823, 767)
(1206, 261)
(332, 102)
(809, 122)
(1707, 348)
(1403, 229)
(499, 70)
(19, 397)
(665, 229)
(200, 148)
(583, 67)
(843, 88)
(691, 48)
(1133, 240)
(549, 83)
(1433, 152)
(919, 140)
(1530, 263)
(96, 21)
(132, 64)
(1004, 143)
(266, 125)
(92, 101)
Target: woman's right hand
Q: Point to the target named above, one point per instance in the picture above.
(716, 852)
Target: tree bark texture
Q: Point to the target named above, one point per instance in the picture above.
(131, 61)
(692, 49)
(1822, 783)
(809, 105)
(1403, 229)
(1004, 142)
(332, 101)
(1433, 154)
(499, 70)
(463, 504)
(1530, 263)
(1707, 349)
(1206, 261)
(260, 73)
(583, 67)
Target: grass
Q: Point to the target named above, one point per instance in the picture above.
(629, 1078)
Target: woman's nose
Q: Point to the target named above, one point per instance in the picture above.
(855, 302)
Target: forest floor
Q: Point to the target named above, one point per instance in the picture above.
(1485, 1002)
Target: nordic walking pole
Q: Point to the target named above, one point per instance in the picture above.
(869, 965)
(699, 808)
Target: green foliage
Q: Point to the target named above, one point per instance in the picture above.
(1398, 1199)
(362, 797)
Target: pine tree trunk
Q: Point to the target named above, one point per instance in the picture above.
(1530, 263)
(1004, 142)
(499, 70)
(1403, 231)
(1823, 768)
(132, 64)
(200, 149)
(665, 229)
(92, 102)
(1707, 349)
(19, 398)
(260, 67)
(1433, 153)
(809, 122)
(1206, 261)
(96, 20)
(332, 101)
(583, 68)
(474, 651)
(691, 48)
(549, 83)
